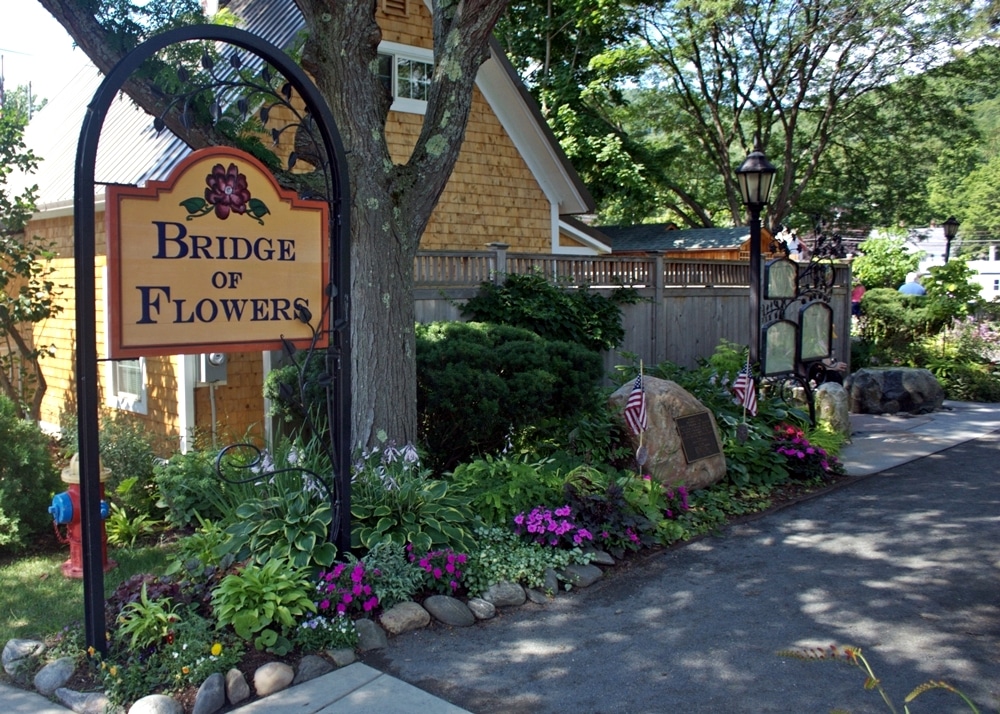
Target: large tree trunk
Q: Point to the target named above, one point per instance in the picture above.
(390, 204)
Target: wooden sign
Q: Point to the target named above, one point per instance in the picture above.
(698, 439)
(217, 258)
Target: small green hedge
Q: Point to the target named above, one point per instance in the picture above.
(479, 385)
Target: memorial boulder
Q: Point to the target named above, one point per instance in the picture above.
(682, 439)
(889, 391)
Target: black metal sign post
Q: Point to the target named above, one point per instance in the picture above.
(319, 119)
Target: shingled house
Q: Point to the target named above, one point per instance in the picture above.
(512, 184)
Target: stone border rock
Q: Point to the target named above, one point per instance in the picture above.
(232, 689)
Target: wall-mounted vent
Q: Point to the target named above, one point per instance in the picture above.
(395, 7)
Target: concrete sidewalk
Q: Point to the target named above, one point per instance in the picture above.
(879, 443)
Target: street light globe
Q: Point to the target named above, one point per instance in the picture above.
(950, 227)
(755, 176)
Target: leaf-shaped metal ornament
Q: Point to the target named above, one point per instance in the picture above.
(265, 114)
(182, 74)
(234, 61)
(292, 159)
(743, 432)
(207, 62)
(265, 74)
(641, 455)
(276, 136)
(286, 90)
(158, 124)
(243, 107)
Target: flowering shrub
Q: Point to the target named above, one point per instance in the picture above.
(345, 590)
(502, 556)
(552, 527)
(393, 498)
(440, 569)
(803, 460)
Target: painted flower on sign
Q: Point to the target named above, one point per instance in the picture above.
(227, 190)
(227, 193)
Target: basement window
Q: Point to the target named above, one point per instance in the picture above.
(406, 72)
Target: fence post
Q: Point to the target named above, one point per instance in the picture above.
(500, 269)
(659, 346)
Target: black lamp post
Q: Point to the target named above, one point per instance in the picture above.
(950, 231)
(755, 176)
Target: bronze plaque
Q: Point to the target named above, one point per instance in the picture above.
(698, 437)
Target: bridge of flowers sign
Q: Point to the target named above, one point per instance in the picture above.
(217, 258)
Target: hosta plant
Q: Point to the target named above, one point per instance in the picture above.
(263, 603)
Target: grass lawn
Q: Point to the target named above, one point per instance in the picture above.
(38, 601)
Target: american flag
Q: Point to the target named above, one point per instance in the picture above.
(635, 408)
(745, 390)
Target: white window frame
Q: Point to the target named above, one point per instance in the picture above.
(121, 398)
(115, 395)
(405, 52)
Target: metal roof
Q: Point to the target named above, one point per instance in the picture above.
(131, 152)
(662, 236)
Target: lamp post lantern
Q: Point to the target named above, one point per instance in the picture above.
(950, 231)
(755, 176)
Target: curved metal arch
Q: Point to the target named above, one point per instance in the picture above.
(86, 324)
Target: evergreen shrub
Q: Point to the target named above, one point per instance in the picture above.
(480, 385)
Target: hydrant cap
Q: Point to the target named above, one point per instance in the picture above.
(71, 474)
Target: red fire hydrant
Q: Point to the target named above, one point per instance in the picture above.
(65, 510)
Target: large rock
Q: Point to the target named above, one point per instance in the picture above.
(404, 617)
(54, 675)
(832, 408)
(888, 391)
(665, 402)
(20, 653)
(272, 677)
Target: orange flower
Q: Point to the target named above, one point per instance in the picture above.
(186, 670)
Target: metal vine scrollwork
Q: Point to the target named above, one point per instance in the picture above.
(814, 282)
(245, 99)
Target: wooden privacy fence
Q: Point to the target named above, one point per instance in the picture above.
(688, 306)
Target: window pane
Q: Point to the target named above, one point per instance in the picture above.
(385, 72)
(128, 377)
(413, 79)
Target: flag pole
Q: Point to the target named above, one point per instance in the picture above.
(642, 433)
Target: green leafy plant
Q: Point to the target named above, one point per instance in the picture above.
(27, 479)
(396, 579)
(146, 622)
(200, 550)
(264, 602)
(852, 656)
(394, 499)
(502, 556)
(287, 516)
(125, 531)
(498, 487)
(186, 484)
